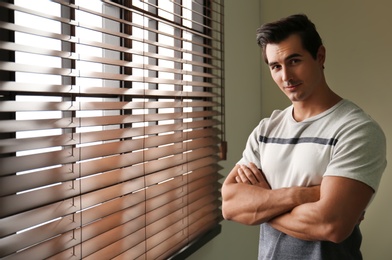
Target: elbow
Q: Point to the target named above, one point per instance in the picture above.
(337, 233)
(226, 212)
(338, 237)
(233, 210)
(230, 212)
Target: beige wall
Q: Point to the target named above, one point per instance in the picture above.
(358, 38)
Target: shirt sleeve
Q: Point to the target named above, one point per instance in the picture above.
(251, 152)
(360, 154)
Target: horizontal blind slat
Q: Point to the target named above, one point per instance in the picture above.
(72, 123)
(14, 145)
(66, 90)
(14, 106)
(115, 62)
(15, 67)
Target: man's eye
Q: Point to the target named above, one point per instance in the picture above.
(275, 67)
(294, 61)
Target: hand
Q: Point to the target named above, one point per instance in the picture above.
(251, 175)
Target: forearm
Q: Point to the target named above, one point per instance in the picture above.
(332, 218)
(302, 222)
(239, 204)
(307, 222)
(254, 202)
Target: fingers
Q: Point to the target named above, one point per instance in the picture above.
(248, 175)
(242, 176)
(251, 175)
(259, 177)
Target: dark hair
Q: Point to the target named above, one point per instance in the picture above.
(299, 24)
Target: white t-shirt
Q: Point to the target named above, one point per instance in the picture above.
(342, 141)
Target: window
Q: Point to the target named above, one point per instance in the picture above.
(112, 127)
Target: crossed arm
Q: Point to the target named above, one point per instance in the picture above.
(326, 212)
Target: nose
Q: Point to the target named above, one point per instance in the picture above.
(286, 74)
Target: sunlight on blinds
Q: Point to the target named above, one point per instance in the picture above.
(112, 119)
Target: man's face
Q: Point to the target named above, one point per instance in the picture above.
(294, 69)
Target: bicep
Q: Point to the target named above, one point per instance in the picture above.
(342, 202)
(344, 196)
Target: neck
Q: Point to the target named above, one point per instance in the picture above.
(312, 107)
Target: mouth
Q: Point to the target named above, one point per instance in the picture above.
(293, 86)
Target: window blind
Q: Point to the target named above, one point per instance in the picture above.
(112, 127)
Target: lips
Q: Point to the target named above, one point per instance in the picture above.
(292, 86)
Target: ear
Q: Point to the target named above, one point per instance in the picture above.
(321, 55)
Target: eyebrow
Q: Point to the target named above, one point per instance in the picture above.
(294, 55)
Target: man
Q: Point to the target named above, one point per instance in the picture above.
(308, 172)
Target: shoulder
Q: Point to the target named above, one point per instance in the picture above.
(349, 109)
(267, 124)
(356, 121)
(360, 151)
(276, 117)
